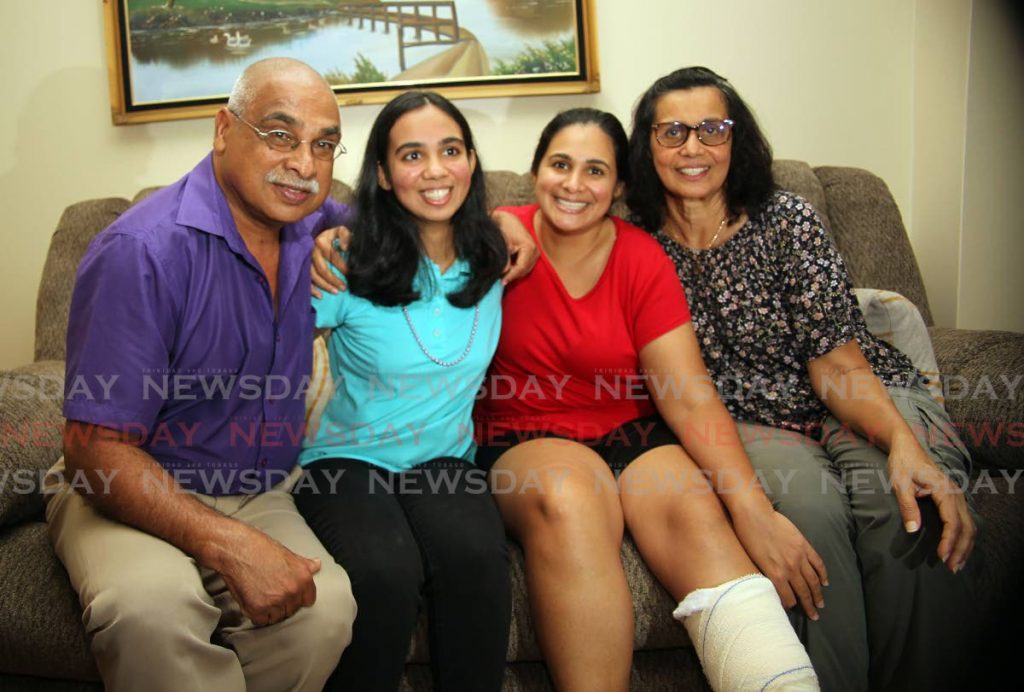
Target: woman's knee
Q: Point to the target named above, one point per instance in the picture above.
(666, 483)
(566, 499)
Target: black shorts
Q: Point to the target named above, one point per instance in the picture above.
(618, 447)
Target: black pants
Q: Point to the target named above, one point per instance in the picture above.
(432, 531)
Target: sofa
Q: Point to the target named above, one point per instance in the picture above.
(43, 646)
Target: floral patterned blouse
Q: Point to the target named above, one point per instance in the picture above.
(769, 300)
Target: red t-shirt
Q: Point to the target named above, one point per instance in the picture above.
(571, 366)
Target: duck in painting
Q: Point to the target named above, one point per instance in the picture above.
(237, 41)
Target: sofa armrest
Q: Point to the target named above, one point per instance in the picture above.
(983, 381)
(31, 436)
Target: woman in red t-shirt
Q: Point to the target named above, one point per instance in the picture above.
(598, 416)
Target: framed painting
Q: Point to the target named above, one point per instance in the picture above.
(172, 59)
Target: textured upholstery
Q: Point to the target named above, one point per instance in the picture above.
(77, 226)
(41, 641)
(798, 177)
(867, 227)
(42, 630)
(30, 436)
(983, 373)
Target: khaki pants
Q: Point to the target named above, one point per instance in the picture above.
(157, 621)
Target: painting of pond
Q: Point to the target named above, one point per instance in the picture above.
(187, 51)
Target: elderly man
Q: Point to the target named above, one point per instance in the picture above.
(194, 570)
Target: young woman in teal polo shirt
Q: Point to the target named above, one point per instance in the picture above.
(388, 484)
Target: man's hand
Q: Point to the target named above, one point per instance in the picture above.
(782, 553)
(328, 247)
(915, 475)
(523, 253)
(268, 581)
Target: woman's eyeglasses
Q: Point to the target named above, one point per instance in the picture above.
(711, 132)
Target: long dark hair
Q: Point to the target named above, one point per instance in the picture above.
(385, 252)
(608, 123)
(749, 182)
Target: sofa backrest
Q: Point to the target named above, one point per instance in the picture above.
(865, 223)
(77, 226)
(856, 206)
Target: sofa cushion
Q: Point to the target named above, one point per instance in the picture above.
(321, 384)
(42, 621)
(984, 376)
(31, 435)
(895, 320)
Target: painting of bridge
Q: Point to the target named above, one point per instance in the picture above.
(422, 19)
(179, 58)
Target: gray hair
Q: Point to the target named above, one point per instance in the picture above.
(243, 93)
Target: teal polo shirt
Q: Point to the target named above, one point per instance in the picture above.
(393, 405)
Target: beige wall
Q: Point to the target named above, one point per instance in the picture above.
(991, 290)
(941, 45)
(832, 81)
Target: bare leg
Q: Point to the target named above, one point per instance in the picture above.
(560, 501)
(678, 523)
(733, 615)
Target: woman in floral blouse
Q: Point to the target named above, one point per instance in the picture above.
(849, 444)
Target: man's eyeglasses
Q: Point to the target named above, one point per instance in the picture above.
(711, 132)
(282, 140)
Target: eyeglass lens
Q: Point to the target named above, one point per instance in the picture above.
(325, 149)
(711, 132)
(282, 140)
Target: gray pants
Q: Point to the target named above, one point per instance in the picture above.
(895, 617)
(157, 621)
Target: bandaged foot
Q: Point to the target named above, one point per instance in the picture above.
(744, 639)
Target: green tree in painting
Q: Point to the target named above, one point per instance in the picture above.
(365, 73)
(551, 56)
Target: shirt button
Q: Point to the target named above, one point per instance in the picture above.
(263, 463)
(437, 332)
(437, 312)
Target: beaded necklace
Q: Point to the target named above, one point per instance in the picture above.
(431, 356)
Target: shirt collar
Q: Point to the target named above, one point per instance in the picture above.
(205, 208)
(429, 275)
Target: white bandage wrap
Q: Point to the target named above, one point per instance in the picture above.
(743, 638)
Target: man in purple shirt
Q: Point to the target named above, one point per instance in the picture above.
(192, 565)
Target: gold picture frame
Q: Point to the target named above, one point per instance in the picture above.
(175, 59)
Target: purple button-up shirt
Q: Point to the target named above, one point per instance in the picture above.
(172, 335)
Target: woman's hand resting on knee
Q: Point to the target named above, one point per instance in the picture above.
(783, 555)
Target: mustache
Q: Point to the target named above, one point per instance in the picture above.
(278, 178)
